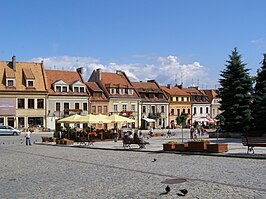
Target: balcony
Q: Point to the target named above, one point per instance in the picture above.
(155, 115)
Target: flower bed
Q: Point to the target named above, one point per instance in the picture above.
(181, 147)
(217, 148)
(198, 145)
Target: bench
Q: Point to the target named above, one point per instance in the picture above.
(251, 142)
(84, 140)
(127, 142)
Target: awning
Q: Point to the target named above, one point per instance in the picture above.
(148, 119)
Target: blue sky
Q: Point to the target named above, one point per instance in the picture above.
(166, 40)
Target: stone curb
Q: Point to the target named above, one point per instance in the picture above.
(246, 156)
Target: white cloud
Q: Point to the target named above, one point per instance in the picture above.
(260, 43)
(165, 70)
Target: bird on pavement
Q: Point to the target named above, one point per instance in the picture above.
(167, 189)
(154, 160)
(183, 191)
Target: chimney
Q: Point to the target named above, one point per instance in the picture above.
(98, 74)
(151, 80)
(169, 86)
(14, 62)
(180, 86)
(119, 72)
(79, 70)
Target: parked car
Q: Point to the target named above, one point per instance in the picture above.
(8, 130)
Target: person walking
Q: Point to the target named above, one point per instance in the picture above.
(115, 135)
(28, 135)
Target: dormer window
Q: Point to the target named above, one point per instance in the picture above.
(112, 91)
(122, 91)
(30, 83)
(76, 89)
(64, 89)
(130, 91)
(58, 88)
(82, 90)
(10, 82)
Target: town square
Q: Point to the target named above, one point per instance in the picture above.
(132, 99)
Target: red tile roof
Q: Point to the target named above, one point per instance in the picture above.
(68, 77)
(174, 91)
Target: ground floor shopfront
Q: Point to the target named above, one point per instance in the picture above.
(21, 122)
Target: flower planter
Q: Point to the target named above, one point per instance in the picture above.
(68, 142)
(58, 141)
(169, 147)
(45, 139)
(181, 147)
(198, 146)
(217, 148)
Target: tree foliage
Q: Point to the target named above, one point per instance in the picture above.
(181, 119)
(259, 104)
(236, 94)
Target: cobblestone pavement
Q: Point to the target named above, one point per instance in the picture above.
(40, 171)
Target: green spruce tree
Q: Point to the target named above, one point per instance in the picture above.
(259, 104)
(236, 94)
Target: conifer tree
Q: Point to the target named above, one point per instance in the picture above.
(259, 104)
(235, 94)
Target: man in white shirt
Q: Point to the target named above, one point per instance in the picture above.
(28, 135)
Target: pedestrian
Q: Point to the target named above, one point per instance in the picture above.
(28, 135)
(192, 130)
(115, 135)
(59, 135)
(168, 133)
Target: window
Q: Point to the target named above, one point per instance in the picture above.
(112, 90)
(97, 94)
(64, 88)
(195, 110)
(93, 109)
(105, 109)
(133, 107)
(76, 89)
(99, 109)
(178, 112)
(10, 82)
(21, 103)
(182, 99)
(184, 110)
(57, 106)
(58, 88)
(21, 122)
(143, 109)
(162, 109)
(82, 89)
(122, 91)
(188, 111)
(66, 108)
(200, 110)
(115, 108)
(172, 111)
(85, 106)
(76, 105)
(130, 91)
(30, 83)
(207, 109)
(31, 103)
(124, 107)
(40, 103)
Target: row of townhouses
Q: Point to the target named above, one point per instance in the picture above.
(31, 96)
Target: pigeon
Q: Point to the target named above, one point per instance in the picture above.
(183, 191)
(154, 160)
(167, 189)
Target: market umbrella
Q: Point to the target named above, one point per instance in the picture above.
(95, 119)
(71, 119)
(119, 119)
